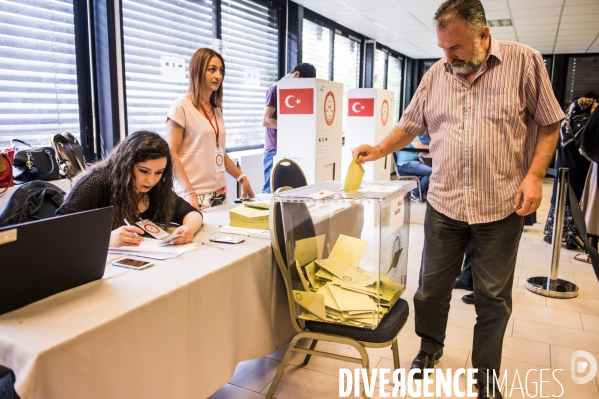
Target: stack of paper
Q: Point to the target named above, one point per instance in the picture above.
(337, 290)
(253, 215)
(149, 249)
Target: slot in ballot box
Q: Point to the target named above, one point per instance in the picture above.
(346, 252)
(309, 120)
(369, 120)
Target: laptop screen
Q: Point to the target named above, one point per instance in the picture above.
(45, 257)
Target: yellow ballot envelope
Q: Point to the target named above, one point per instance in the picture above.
(355, 174)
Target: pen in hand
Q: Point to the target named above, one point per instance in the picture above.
(129, 224)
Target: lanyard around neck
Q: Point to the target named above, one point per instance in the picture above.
(216, 129)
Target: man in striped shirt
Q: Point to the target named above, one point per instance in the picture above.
(493, 121)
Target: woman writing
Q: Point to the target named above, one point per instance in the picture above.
(137, 180)
(195, 131)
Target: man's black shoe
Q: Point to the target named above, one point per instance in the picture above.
(425, 360)
(483, 394)
(469, 299)
(459, 285)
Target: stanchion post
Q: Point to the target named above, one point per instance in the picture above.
(552, 286)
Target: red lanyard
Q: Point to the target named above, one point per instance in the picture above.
(216, 129)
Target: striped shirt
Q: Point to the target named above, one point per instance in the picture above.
(483, 134)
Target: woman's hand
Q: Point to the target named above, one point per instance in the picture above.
(126, 235)
(186, 235)
(192, 198)
(246, 189)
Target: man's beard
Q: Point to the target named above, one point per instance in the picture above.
(466, 67)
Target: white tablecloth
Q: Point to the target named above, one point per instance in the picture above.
(174, 330)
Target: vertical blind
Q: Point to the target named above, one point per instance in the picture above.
(346, 65)
(394, 82)
(380, 67)
(250, 33)
(157, 32)
(37, 71)
(316, 48)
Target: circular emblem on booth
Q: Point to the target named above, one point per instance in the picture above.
(329, 108)
(385, 112)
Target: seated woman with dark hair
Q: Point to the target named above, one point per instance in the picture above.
(137, 180)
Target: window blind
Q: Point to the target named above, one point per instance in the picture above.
(380, 68)
(346, 65)
(250, 33)
(316, 48)
(37, 71)
(394, 82)
(583, 75)
(157, 34)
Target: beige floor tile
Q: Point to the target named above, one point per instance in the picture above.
(590, 322)
(528, 351)
(302, 383)
(459, 337)
(232, 392)
(462, 317)
(583, 280)
(407, 348)
(556, 335)
(520, 295)
(409, 329)
(561, 357)
(331, 366)
(588, 306)
(569, 388)
(255, 374)
(546, 315)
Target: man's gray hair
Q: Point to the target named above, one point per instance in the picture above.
(471, 11)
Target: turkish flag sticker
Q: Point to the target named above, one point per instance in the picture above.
(361, 107)
(296, 101)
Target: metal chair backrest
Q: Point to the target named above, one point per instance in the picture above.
(287, 172)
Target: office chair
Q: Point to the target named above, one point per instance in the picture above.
(359, 338)
(407, 177)
(287, 172)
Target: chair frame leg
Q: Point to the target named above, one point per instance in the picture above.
(282, 367)
(395, 351)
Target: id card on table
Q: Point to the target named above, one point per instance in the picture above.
(219, 160)
(155, 231)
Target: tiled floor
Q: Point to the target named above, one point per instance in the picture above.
(542, 332)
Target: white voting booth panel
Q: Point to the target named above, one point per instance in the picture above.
(309, 120)
(369, 120)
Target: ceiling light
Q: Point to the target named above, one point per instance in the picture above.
(499, 22)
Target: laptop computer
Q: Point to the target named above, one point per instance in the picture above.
(45, 257)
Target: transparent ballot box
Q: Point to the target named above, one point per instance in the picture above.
(345, 252)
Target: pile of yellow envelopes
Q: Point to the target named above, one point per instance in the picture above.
(336, 289)
(253, 215)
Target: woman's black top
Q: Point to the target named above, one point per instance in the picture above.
(93, 190)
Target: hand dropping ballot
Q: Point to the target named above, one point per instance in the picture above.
(355, 174)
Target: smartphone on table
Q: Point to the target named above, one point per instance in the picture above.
(131, 263)
(227, 239)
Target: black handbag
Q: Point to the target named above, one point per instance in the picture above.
(68, 154)
(34, 163)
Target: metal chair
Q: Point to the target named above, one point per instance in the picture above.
(407, 177)
(287, 172)
(359, 338)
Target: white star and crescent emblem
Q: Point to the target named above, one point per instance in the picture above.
(353, 107)
(297, 101)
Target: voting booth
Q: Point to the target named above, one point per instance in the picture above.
(309, 119)
(346, 252)
(369, 120)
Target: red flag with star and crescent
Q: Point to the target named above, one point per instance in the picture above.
(360, 107)
(296, 101)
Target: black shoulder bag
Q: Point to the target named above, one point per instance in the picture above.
(34, 163)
